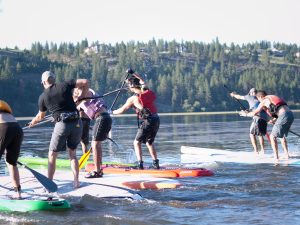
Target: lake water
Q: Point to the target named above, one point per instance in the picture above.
(237, 194)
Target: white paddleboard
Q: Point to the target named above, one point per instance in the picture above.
(195, 154)
(109, 186)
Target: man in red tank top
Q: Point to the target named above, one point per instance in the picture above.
(282, 119)
(143, 101)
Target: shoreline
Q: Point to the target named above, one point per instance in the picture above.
(167, 114)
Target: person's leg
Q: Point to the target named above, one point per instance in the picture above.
(97, 155)
(253, 132)
(15, 177)
(74, 166)
(138, 150)
(152, 150)
(254, 143)
(274, 145)
(51, 164)
(285, 147)
(262, 144)
(153, 154)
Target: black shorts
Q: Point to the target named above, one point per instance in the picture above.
(148, 130)
(85, 130)
(102, 127)
(258, 127)
(11, 137)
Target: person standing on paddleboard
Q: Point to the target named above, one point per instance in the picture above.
(259, 123)
(58, 99)
(95, 109)
(283, 119)
(143, 101)
(11, 137)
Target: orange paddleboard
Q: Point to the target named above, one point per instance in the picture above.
(154, 185)
(163, 172)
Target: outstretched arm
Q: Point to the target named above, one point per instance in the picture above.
(232, 94)
(132, 101)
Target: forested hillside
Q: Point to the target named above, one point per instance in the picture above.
(187, 76)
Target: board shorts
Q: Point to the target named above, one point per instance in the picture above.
(258, 126)
(66, 134)
(86, 122)
(11, 137)
(102, 127)
(283, 124)
(148, 129)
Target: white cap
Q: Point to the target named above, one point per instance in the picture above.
(252, 90)
(46, 75)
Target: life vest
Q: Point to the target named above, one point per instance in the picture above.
(92, 106)
(276, 103)
(4, 107)
(147, 99)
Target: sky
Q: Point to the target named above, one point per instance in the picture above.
(23, 22)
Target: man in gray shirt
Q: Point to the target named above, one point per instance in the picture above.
(259, 123)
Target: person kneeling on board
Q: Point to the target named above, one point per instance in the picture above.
(143, 103)
(11, 137)
(95, 109)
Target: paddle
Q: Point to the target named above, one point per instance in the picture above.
(49, 119)
(45, 181)
(106, 94)
(84, 158)
(124, 82)
(243, 107)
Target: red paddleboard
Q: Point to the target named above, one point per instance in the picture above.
(166, 172)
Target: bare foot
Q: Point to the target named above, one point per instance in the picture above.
(17, 195)
(286, 157)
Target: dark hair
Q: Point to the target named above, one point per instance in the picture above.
(261, 94)
(134, 82)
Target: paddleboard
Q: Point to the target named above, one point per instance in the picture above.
(38, 162)
(195, 154)
(32, 203)
(166, 172)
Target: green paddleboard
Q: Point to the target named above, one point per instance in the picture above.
(61, 163)
(33, 204)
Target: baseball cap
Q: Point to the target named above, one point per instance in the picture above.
(46, 75)
(252, 90)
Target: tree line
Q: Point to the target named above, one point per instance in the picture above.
(187, 76)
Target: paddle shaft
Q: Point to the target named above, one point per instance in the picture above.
(229, 91)
(106, 94)
(124, 81)
(39, 123)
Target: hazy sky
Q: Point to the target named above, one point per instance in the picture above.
(23, 22)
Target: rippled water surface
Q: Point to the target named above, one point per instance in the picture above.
(237, 194)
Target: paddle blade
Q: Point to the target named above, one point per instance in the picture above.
(45, 181)
(84, 158)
